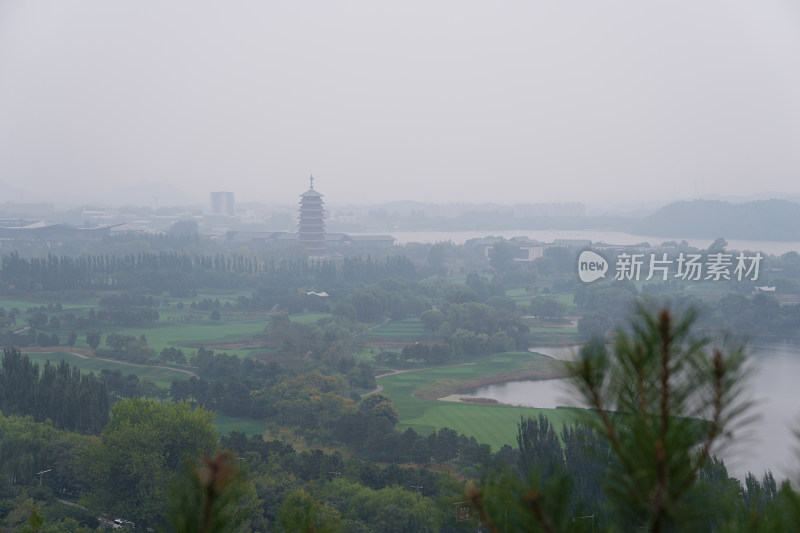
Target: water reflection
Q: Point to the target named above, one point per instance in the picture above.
(547, 393)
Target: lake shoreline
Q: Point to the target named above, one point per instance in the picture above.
(445, 389)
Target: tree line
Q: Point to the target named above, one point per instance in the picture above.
(60, 393)
(179, 272)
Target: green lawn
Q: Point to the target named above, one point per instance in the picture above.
(566, 298)
(309, 319)
(365, 353)
(493, 425)
(455, 278)
(519, 293)
(490, 424)
(183, 335)
(179, 328)
(554, 335)
(524, 298)
(185, 329)
(23, 305)
(248, 426)
(163, 377)
(409, 329)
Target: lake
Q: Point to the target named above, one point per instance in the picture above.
(608, 237)
(768, 444)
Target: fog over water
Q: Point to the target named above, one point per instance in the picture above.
(596, 236)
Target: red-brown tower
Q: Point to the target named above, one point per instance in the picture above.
(312, 221)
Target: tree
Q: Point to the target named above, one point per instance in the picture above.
(432, 319)
(129, 347)
(436, 256)
(35, 522)
(212, 496)
(37, 320)
(345, 310)
(300, 512)
(184, 228)
(718, 246)
(93, 339)
(140, 453)
(547, 308)
(501, 256)
(664, 400)
(539, 447)
(443, 445)
(381, 408)
(43, 339)
(64, 395)
(387, 509)
(174, 355)
(593, 325)
(278, 321)
(72, 338)
(215, 315)
(680, 396)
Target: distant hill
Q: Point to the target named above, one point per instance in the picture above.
(774, 220)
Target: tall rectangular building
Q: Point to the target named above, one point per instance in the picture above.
(222, 203)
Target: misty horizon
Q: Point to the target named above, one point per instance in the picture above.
(454, 102)
(163, 196)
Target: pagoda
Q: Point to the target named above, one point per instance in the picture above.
(312, 221)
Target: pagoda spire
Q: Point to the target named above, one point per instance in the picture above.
(311, 231)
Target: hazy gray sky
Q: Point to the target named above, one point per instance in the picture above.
(503, 101)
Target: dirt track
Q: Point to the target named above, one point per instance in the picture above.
(85, 356)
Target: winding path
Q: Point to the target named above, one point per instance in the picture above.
(377, 325)
(127, 363)
(391, 372)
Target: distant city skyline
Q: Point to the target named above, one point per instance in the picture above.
(159, 195)
(455, 101)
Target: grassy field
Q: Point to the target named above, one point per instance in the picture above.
(524, 297)
(519, 293)
(163, 377)
(566, 298)
(226, 424)
(554, 335)
(169, 331)
(409, 329)
(455, 278)
(23, 305)
(491, 424)
(494, 425)
(309, 319)
(184, 334)
(174, 333)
